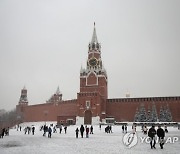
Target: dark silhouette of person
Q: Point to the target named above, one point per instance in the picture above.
(82, 130)
(161, 135)
(77, 132)
(151, 134)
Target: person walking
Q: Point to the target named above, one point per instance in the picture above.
(45, 129)
(87, 132)
(65, 129)
(91, 129)
(33, 130)
(60, 128)
(145, 130)
(161, 135)
(123, 128)
(165, 129)
(49, 132)
(77, 132)
(100, 126)
(151, 134)
(82, 130)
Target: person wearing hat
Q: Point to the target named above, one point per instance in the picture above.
(161, 134)
(151, 134)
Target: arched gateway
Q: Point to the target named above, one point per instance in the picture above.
(87, 117)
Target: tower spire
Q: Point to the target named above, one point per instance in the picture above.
(94, 37)
(58, 91)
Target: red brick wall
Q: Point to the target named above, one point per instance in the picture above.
(124, 109)
(49, 111)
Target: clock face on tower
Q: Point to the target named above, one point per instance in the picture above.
(93, 62)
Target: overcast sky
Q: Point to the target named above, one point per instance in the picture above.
(43, 44)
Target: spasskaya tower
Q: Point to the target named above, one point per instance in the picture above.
(91, 100)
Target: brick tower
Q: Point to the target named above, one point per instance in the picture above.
(92, 97)
(23, 102)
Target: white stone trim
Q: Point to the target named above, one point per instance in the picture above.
(79, 120)
(96, 79)
(95, 120)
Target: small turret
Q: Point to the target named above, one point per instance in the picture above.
(23, 98)
(56, 97)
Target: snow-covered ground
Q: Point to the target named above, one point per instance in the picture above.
(98, 143)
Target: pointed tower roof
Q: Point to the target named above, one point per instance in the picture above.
(24, 88)
(58, 91)
(94, 37)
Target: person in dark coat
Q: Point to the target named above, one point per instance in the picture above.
(165, 129)
(91, 130)
(33, 130)
(82, 130)
(45, 129)
(60, 129)
(123, 128)
(151, 134)
(87, 132)
(77, 132)
(161, 135)
(2, 132)
(65, 129)
(49, 132)
(100, 126)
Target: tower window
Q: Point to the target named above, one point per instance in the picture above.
(88, 104)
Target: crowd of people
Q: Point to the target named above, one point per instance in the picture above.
(4, 132)
(83, 129)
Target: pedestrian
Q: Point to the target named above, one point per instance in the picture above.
(134, 128)
(165, 129)
(110, 129)
(82, 130)
(91, 129)
(33, 130)
(100, 126)
(151, 134)
(45, 128)
(49, 132)
(60, 128)
(161, 135)
(65, 129)
(123, 128)
(145, 130)
(25, 130)
(29, 129)
(77, 132)
(2, 132)
(54, 129)
(87, 132)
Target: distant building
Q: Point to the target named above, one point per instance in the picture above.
(92, 104)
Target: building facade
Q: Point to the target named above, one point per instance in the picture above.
(92, 104)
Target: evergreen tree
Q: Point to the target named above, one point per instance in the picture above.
(142, 117)
(149, 116)
(167, 114)
(154, 113)
(161, 115)
(136, 117)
